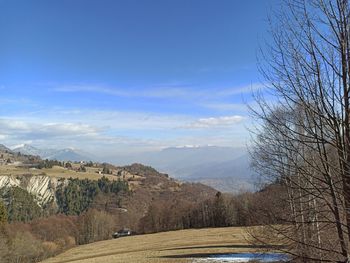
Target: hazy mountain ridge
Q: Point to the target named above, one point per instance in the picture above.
(224, 168)
(66, 154)
(3, 148)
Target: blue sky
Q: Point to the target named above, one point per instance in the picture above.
(130, 75)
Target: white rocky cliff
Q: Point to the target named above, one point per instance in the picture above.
(42, 187)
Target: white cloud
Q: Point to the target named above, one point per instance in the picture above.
(141, 121)
(3, 136)
(215, 122)
(107, 131)
(27, 130)
(109, 128)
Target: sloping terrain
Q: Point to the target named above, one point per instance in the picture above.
(146, 186)
(174, 246)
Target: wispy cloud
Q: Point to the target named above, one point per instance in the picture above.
(164, 91)
(93, 89)
(242, 108)
(16, 101)
(142, 121)
(241, 89)
(159, 92)
(119, 132)
(215, 122)
(121, 120)
(199, 119)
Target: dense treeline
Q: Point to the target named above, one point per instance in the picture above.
(72, 199)
(173, 215)
(49, 164)
(78, 195)
(3, 212)
(223, 210)
(21, 205)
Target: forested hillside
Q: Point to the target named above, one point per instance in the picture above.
(48, 206)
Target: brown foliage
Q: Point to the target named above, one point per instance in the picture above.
(54, 228)
(95, 225)
(220, 210)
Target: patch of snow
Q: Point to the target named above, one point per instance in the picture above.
(243, 257)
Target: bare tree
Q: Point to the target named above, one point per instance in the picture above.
(94, 226)
(303, 139)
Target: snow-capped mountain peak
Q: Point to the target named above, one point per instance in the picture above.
(67, 154)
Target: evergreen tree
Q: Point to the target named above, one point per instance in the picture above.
(78, 195)
(3, 213)
(22, 205)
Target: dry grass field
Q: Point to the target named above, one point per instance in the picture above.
(61, 172)
(56, 171)
(174, 246)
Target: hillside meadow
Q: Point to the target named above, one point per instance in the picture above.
(56, 171)
(174, 246)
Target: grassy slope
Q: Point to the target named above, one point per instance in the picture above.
(56, 171)
(60, 172)
(173, 246)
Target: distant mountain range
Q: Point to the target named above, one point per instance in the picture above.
(225, 168)
(3, 148)
(66, 154)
